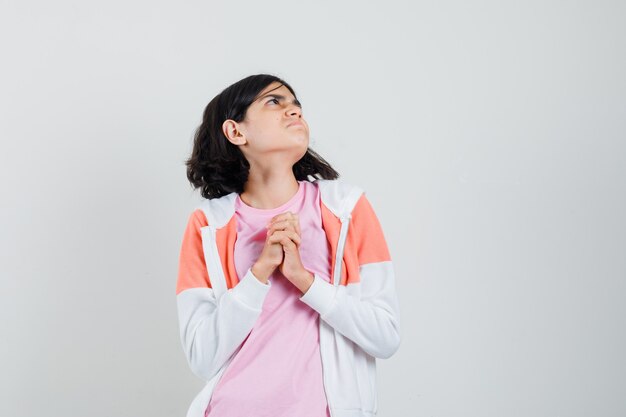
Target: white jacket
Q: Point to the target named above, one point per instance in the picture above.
(359, 311)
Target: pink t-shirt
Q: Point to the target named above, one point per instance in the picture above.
(278, 370)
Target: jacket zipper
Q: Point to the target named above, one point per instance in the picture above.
(340, 248)
(216, 263)
(335, 280)
(220, 273)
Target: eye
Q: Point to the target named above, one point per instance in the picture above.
(276, 100)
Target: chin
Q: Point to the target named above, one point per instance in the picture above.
(301, 139)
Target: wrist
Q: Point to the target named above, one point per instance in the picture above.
(305, 280)
(261, 271)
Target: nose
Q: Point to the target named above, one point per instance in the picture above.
(294, 110)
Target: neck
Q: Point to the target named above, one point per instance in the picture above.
(269, 188)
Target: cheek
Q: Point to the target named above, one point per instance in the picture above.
(264, 132)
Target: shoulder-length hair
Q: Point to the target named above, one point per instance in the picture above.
(217, 166)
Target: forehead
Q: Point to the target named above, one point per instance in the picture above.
(275, 87)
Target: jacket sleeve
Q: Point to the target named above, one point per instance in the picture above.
(211, 330)
(372, 320)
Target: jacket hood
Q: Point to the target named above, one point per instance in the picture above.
(339, 196)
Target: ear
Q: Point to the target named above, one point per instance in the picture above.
(232, 131)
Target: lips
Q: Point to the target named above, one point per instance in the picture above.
(296, 123)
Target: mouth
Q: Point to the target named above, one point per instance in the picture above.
(296, 123)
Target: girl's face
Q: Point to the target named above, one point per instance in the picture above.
(274, 122)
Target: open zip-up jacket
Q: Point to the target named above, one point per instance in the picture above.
(358, 308)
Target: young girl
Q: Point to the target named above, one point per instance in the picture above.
(286, 291)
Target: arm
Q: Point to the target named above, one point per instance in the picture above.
(211, 330)
(371, 320)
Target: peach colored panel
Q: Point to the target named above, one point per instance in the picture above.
(226, 237)
(192, 271)
(365, 234)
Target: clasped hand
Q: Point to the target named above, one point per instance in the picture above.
(284, 228)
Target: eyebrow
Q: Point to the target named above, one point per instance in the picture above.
(279, 97)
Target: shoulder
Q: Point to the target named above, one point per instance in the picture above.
(218, 211)
(195, 222)
(339, 195)
(197, 219)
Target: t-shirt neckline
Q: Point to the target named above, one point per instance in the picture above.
(253, 210)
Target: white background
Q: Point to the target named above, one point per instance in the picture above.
(488, 135)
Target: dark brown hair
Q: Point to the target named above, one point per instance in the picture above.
(218, 167)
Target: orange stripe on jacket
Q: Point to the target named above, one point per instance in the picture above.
(192, 271)
(332, 227)
(365, 241)
(365, 234)
(225, 238)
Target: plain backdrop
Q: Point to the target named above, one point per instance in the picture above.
(488, 135)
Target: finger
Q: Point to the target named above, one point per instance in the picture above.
(293, 236)
(296, 238)
(295, 221)
(276, 224)
(288, 215)
(285, 238)
(276, 237)
(279, 235)
(280, 216)
(278, 219)
(284, 225)
(288, 244)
